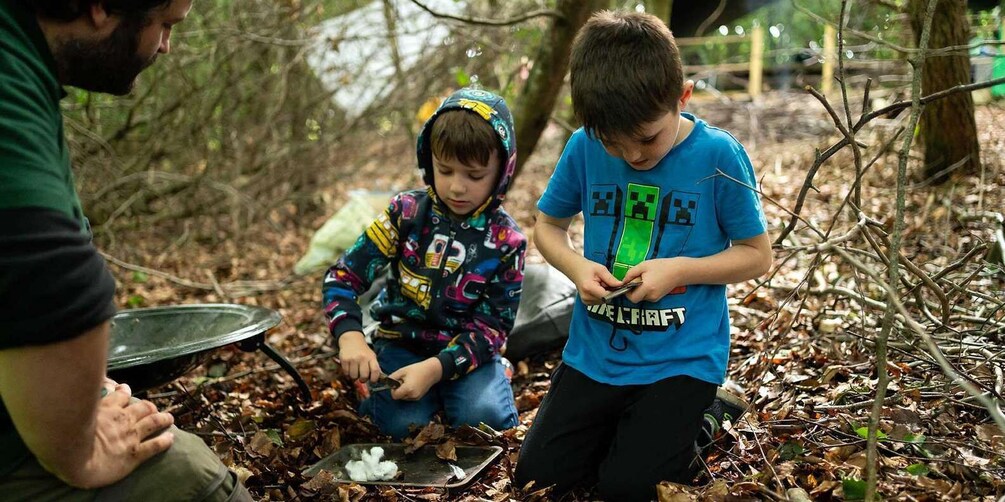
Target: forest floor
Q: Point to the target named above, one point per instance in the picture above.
(806, 363)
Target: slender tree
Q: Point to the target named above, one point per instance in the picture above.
(948, 130)
(537, 99)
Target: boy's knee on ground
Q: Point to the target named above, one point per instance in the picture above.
(543, 471)
(622, 486)
(634, 481)
(394, 419)
(494, 415)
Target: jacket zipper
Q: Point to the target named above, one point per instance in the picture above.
(443, 264)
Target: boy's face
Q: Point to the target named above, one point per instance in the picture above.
(655, 139)
(643, 151)
(465, 187)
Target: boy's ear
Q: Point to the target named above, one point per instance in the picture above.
(686, 95)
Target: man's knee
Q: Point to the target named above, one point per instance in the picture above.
(189, 470)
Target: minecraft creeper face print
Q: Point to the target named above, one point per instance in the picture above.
(637, 234)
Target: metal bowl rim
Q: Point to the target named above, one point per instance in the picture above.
(262, 319)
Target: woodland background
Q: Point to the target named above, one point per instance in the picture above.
(872, 354)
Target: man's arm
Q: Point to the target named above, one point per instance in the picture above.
(551, 235)
(52, 394)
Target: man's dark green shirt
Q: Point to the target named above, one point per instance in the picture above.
(36, 162)
(53, 284)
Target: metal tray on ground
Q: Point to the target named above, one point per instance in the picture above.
(419, 469)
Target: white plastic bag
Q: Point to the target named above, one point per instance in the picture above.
(342, 229)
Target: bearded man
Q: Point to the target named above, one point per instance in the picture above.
(67, 432)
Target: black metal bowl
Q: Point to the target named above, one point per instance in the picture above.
(153, 346)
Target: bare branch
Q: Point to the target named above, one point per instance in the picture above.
(493, 22)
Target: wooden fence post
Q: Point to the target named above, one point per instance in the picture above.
(756, 62)
(830, 58)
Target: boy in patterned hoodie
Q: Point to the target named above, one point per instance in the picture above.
(456, 270)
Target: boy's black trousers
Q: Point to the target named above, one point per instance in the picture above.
(625, 439)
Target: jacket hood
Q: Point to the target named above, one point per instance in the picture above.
(492, 109)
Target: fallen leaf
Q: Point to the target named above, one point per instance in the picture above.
(300, 428)
(243, 473)
(673, 492)
(321, 485)
(262, 445)
(447, 451)
(431, 433)
(798, 495)
(331, 441)
(989, 432)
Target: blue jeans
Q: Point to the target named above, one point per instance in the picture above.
(484, 395)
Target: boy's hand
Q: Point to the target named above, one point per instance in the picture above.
(593, 281)
(659, 277)
(416, 379)
(359, 361)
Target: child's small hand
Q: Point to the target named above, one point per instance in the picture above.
(659, 277)
(359, 361)
(416, 379)
(593, 281)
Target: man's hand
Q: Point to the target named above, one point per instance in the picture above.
(359, 361)
(659, 277)
(125, 437)
(109, 386)
(593, 281)
(416, 379)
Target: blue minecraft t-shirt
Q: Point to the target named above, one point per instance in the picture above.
(693, 203)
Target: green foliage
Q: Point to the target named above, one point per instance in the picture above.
(135, 301)
(274, 437)
(863, 432)
(854, 488)
(917, 469)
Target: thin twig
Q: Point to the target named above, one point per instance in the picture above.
(493, 22)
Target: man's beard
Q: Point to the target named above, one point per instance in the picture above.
(110, 65)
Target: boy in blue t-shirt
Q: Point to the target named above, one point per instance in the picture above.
(668, 200)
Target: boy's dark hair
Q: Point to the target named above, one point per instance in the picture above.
(68, 10)
(463, 136)
(625, 71)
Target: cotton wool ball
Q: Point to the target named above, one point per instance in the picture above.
(356, 470)
(370, 467)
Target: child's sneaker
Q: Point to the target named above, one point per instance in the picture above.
(725, 407)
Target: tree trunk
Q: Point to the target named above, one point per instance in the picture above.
(662, 9)
(948, 130)
(537, 99)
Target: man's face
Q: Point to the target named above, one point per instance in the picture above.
(111, 64)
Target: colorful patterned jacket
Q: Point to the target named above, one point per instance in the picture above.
(454, 286)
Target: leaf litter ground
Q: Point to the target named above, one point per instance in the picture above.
(806, 364)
